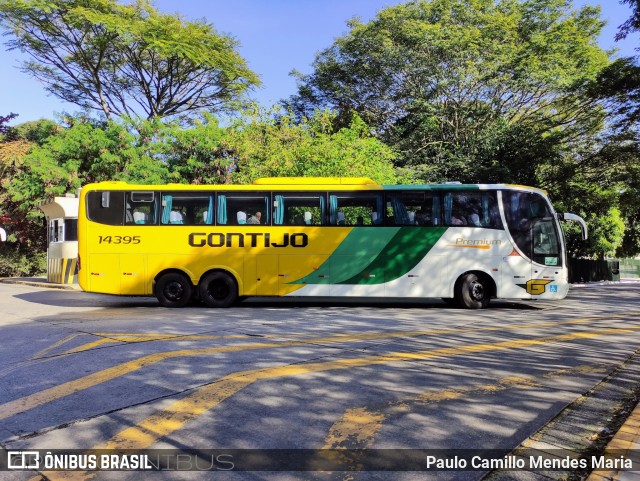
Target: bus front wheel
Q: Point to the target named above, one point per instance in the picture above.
(218, 289)
(173, 290)
(473, 291)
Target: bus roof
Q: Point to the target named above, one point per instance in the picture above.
(314, 181)
(310, 183)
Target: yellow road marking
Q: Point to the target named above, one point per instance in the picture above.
(180, 412)
(365, 427)
(54, 345)
(51, 394)
(209, 396)
(358, 426)
(129, 338)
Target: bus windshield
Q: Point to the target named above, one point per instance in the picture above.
(532, 226)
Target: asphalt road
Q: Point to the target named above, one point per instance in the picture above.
(80, 371)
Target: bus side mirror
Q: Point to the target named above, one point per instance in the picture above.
(579, 220)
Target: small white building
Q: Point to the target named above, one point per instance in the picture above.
(62, 239)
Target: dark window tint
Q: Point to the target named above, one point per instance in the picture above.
(413, 208)
(532, 226)
(546, 245)
(105, 207)
(298, 208)
(472, 209)
(240, 208)
(185, 208)
(56, 230)
(71, 229)
(141, 208)
(355, 208)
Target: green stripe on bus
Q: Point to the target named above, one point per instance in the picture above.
(358, 250)
(431, 187)
(407, 248)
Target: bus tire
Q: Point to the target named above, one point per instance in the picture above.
(218, 289)
(173, 290)
(473, 291)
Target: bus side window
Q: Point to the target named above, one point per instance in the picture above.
(244, 208)
(141, 208)
(106, 207)
(299, 208)
(355, 208)
(472, 209)
(187, 208)
(413, 208)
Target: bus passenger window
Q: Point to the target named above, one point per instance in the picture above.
(355, 208)
(106, 209)
(413, 208)
(243, 208)
(299, 208)
(472, 209)
(140, 208)
(187, 208)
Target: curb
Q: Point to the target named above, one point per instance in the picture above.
(622, 444)
(583, 429)
(39, 283)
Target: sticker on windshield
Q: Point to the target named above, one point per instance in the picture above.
(550, 261)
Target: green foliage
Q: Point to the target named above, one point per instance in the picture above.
(452, 84)
(633, 23)
(4, 120)
(85, 152)
(36, 131)
(263, 145)
(618, 87)
(196, 155)
(17, 263)
(126, 59)
(606, 233)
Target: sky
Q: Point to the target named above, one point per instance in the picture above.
(275, 36)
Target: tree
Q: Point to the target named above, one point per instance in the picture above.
(23, 253)
(265, 145)
(4, 120)
(449, 83)
(196, 155)
(633, 22)
(126, 60)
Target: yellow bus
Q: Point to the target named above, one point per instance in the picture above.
(336, 237)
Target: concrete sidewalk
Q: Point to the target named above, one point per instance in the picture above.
(39, 282)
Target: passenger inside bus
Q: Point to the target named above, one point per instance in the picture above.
(139, 217)
(176, 217)
(254, 219)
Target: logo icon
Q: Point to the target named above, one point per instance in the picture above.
(23, 460)
(536, 286)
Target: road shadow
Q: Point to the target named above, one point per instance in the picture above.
(64, 298)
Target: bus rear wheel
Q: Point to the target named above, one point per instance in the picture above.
(473, 292)
(173, 290)
(218, 289)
